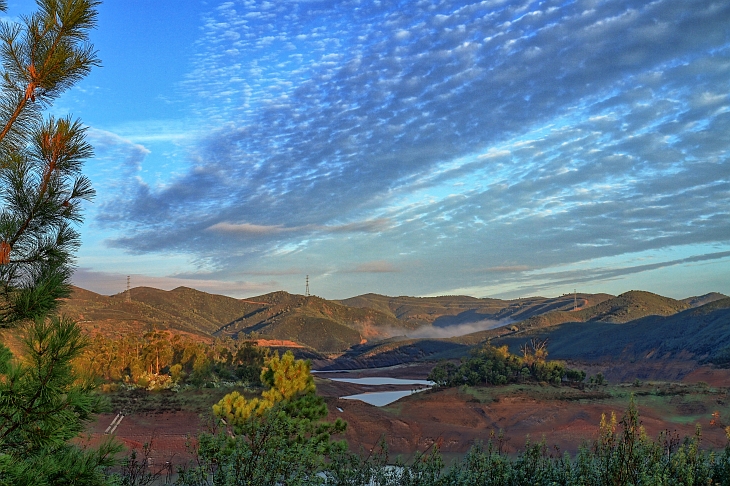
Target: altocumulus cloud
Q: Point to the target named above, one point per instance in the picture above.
(503, 135)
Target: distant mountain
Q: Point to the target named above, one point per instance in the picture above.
(623, 308)
(571, 335)
(704, 299)
(455, 310)
(314, 322)
(366, 328)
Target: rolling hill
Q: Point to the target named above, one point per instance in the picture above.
(321, 324)
(373, 330)
(455, 310)
(313, 322)
(182, 309)
(605, 330)
(701, 334)
(621, 309)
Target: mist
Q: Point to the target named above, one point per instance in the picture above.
(458, 329)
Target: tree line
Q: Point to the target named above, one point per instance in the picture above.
(491, 365)
(161, 359)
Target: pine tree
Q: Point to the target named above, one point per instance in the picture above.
(43, 403)
(41, 186)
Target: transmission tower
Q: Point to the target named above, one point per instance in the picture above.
(306, 289)
(128, 297)
(575, 299)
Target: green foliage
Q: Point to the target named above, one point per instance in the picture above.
(491, 365)
(40, 159)
(43, 405)
(279, 438)
(159, 359)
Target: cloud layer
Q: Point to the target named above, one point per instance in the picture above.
(428, 139)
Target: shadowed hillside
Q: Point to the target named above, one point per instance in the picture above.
(701, 334)
(618, 313)
(624, 308)
(367, 330)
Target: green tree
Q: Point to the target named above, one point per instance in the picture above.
(40, 158)
(43, 403)
(277, 438)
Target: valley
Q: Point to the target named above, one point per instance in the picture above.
(668, 354)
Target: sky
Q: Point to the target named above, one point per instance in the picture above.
(423, 147)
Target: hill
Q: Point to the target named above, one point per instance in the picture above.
(182, 309)
(321, 324)
(311, 321)
(701, 334)
(366, 328)
(619, 312)
(621, 309)
(456, 310)
(704, 299)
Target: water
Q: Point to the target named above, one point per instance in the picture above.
(376, 380)
(380, 399)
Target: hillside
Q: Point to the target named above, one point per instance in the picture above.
(181, 309)
(704, 299)
(314, 322)
(701, 334)
(621, 309)
(619, 312)
(367, 329)
(455, 310)
(321, 324)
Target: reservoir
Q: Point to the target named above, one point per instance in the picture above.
(382, 398)
(377, 380)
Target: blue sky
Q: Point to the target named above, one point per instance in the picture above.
(495, 148)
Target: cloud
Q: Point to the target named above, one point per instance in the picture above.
(247, 229)
(379, 266)
(463, 134)
(505, 269)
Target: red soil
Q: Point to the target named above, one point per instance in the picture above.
(457, 420)
(168, 433)
(447, 416)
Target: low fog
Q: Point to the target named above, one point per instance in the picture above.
(457, 329)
